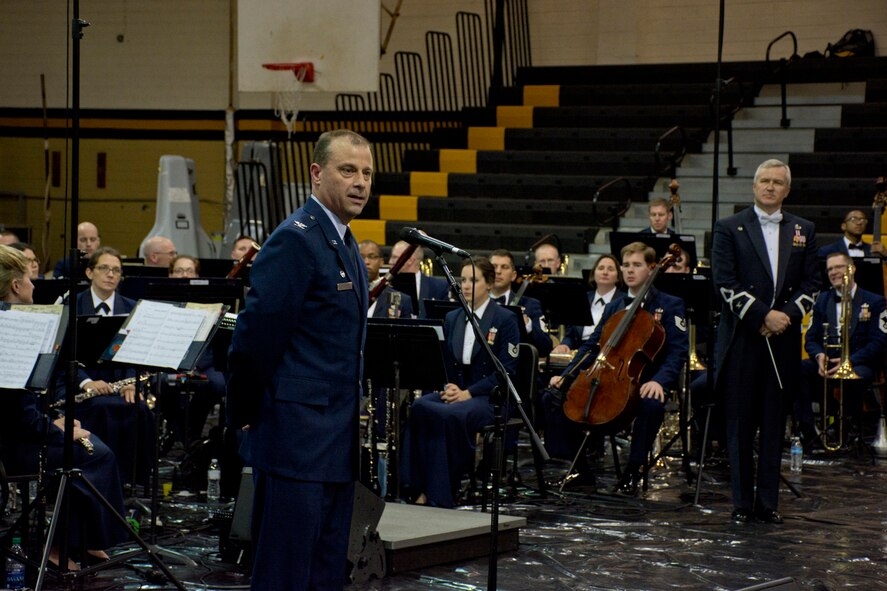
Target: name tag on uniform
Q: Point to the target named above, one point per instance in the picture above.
(344, 286)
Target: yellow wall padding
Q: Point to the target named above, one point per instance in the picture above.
(368, 230)
(398, 207)
(428, 184)
(486, 138)
(508, 116)
(458, 161)
(542, 96)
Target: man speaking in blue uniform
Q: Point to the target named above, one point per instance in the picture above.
(296, 366)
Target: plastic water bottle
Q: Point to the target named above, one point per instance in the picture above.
(213, 482)
(797, 455)
(15, 570)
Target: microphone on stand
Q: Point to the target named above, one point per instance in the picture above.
(414, 236)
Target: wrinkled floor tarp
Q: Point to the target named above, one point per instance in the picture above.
(834, 537)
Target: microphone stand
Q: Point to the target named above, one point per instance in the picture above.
(68, 475)
(496, 399)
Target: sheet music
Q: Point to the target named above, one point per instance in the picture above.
(212, 314)
(24, 336)
(159, 334)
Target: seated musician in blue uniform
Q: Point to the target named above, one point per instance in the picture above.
(111, 412)
(390, 303)
(605, 283)
(427, 288)
(661, 375)
(852, 228)
(22, 430)
(88, 241)
(443, 426)
(503, 262)
(868, 340)
(660, 214)
(31, 257)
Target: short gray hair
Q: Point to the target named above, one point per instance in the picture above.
(774, 163)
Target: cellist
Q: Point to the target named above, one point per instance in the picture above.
(658, 377)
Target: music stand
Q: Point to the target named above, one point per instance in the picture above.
(403, 353)
(564, 300)
(50, 291)
(216, 267)
(406, 283)
(659, 242)
(206, 290)
(136, 268)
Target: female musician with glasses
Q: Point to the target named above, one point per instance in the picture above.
(22, 427)
(111, 414)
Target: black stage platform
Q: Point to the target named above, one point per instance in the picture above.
(834, 537)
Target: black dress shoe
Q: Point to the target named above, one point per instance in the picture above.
(768, 516)
(741, 516)
(629, 484)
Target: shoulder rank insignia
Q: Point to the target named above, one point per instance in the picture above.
(865, 313)
(300, 225)
(491, 335)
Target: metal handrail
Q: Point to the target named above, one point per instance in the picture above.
(780, 70)
(619, 212)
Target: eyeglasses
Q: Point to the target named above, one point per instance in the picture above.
(109, 269)
(32, 260)
(181, 271)
(855, 219)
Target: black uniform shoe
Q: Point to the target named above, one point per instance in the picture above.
(741, 516)
(768, 516)
(630, 482)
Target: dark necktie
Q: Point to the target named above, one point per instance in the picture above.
(856, 246)
(348, 240)
(501, 300)
(103, 308)
(600, 301)
(628, 300)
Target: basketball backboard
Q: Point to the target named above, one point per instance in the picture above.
(339, 37)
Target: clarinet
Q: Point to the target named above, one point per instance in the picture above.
(116, 387)
(382, 282)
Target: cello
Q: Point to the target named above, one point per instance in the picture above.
(607, 392)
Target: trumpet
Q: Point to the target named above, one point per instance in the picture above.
(844, 370)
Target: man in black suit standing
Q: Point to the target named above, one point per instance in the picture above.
(764, 268)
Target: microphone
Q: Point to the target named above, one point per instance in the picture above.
(414, 236)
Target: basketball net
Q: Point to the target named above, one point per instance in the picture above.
(288, 95)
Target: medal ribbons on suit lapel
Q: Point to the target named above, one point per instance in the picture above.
(657, 315)
(865, 313)
(491, 335)
(799, 240)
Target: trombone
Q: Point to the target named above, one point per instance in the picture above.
(844, 370)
